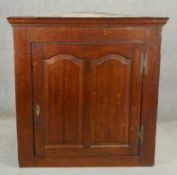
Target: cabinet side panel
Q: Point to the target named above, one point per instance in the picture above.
(150, 95)
(23, 94)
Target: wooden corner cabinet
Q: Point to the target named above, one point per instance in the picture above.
(86, 90)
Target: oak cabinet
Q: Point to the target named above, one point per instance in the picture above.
(86, 90)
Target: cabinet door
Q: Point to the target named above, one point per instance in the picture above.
(87, 99)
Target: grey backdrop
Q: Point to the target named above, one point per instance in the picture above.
(168, 80)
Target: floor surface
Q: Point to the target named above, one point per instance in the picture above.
(166, 155)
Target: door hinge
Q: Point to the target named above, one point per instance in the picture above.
(140, 135)
(144, 63)
(37, 109)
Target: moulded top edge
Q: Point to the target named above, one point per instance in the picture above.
(91, 20)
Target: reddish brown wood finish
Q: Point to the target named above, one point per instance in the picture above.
(86, 75)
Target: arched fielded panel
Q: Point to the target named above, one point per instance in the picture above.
(63, 91)
(111, 85)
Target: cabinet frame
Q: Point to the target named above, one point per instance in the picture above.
(24, 35)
